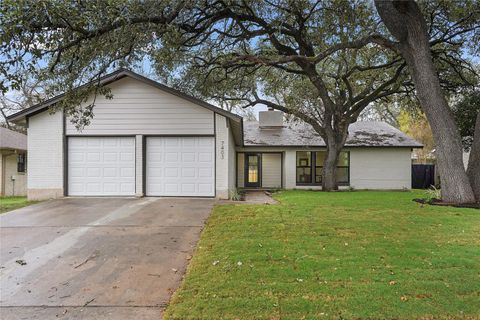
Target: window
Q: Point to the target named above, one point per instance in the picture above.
(304, 167)
(21, 162)
(319, 158)
(310, 167)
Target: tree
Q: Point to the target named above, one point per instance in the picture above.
(406, 23)
(473, 170)
(465, 112)
(467, 116)
(322, 61)
(416, 126)
(253, 46)
(29, 93)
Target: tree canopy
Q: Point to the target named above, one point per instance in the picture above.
(465, 111)
(322, 61)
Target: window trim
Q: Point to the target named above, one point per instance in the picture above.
(313, 169)
(310, 166)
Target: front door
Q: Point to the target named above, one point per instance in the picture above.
(252, 170)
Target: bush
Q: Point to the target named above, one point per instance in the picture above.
(234, 195)
(433, 194)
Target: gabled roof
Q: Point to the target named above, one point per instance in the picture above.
(12, 140)
(235, 120)
(117, 75)
(300, 134)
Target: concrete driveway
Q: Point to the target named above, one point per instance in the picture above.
(96, 258)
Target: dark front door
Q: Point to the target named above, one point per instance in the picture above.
(252, 170)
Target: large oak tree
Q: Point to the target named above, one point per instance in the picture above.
(407, 24)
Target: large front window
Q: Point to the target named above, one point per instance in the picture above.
(304, 167)
(310, 167)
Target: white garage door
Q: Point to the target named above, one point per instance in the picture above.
(180, 166)
(101, 166)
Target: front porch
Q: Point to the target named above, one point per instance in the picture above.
(289, 168)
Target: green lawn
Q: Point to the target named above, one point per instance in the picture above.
(12, 203)
(344, 255)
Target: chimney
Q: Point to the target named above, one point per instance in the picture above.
(270, 119)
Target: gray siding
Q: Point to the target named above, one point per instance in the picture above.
(222, 154)
(271, 170)
(8, 167)
(45, 156)
(381, 168)
(240, 170)
(231, 161)
(139, 108)
(139, 166)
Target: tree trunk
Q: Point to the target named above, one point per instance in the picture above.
(473, 170)
(5, 118)
(329, 174)
(406, 23)
(335, 140)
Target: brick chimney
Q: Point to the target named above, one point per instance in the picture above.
(270, 119)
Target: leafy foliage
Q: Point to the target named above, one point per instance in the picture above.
(466, 111)
(433, 194)
(322, 61)
(234, 195)
(416, 126)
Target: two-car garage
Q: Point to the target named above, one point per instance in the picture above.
(148, 140)
(171, 166)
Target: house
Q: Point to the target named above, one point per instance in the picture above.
(13, 163)
(153, 140)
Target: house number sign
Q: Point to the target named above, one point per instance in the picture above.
(222, 149)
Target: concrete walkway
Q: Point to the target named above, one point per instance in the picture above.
(258, 197)
(96, 258)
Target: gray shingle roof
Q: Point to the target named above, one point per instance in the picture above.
(361, 134)
(12, 140)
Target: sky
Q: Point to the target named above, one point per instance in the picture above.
(146, 69)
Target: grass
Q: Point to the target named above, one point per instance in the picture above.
(344, 255)
(12, 203)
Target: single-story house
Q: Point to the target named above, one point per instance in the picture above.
(152, 140)
(13, 163)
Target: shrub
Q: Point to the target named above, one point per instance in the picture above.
(433, 194)
(234, 195)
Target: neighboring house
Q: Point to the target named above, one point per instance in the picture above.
(156, 141)
(13, 165)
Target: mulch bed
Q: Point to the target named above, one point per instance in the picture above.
(438, 202)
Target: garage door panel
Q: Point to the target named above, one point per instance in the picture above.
(205, 172)
(188, 172)
(101, 166)
(180, 166)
